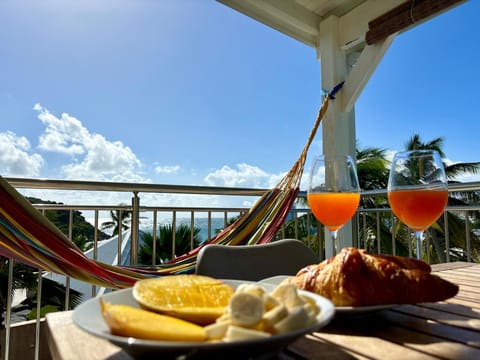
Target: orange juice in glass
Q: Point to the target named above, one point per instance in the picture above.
(333, 192)
(333, 209)
(417, 190)
(418, 208)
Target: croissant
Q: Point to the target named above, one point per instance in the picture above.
(355, 278)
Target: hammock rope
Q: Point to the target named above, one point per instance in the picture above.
(29, 237)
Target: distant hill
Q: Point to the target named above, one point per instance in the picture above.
(81, 227)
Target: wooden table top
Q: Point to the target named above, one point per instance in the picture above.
(446, 330)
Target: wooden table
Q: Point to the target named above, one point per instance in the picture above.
(446, 330)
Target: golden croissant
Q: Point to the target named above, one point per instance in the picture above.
(355, 278)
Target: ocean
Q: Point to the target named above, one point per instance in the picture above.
(217, 223)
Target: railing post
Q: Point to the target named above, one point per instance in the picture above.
(447, 236)
(8, 312)
(134, 228)
(120, 237)
(468, 244)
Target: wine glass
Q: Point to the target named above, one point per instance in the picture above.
(333, 192)
(417, 190)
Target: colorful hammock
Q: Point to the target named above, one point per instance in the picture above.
(29, 237)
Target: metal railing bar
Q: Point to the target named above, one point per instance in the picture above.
(120, 239)
(209, 229)
(134, 228)
(154, 236)
(447, 236)
(361, 229)
(8, 313)
(174, 233)
(38, 317)
(130, 187)
(143, 208)
(467, 237)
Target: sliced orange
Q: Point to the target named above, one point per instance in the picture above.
(196, 298)
(125, 320)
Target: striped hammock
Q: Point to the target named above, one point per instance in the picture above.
(29, 237)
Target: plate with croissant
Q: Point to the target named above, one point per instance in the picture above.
(356, 281)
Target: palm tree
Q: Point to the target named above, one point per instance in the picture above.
(121, 220)
(26, 277)
(372, 168)
(83, 242)
(457, 233)
(52, 298)
(373, 171)
(415, 143)
(164, 243)
(453, 170)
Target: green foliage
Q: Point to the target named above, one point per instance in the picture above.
(32, 315)
(304, 228)
(120, 220)
(372, 168)
(61, 219)
(371, 176)
(26, 277)
(184, 242)
(230, 221)
(376, 227)
(83, 242)
(54, 294)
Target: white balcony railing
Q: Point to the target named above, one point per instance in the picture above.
(370, 226)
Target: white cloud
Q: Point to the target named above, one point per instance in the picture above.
(63, 135)
(95, 157)
(274, 179)
(15, 156)
(167, 169)
(243, 176)
(389, 154)
(468, 178)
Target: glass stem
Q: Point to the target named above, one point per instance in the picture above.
(419, 238)
(334, 242)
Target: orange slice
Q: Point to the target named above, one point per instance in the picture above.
(124, 320)
(195, 298)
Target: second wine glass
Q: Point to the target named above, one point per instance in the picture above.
(417, 190)
(333, 192)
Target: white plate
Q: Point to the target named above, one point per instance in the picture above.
(354, 310)
(88, 317)
(339, 310)
(274, 280)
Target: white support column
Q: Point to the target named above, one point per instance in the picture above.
(337, 60)
(359, 75)
(338, 130)
(338, 127)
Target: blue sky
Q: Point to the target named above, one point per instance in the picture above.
(192, 92)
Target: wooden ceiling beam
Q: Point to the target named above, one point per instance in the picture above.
(404, 16)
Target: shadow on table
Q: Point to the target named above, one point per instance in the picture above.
(121, 355)
(313, 347)
(414, 324)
